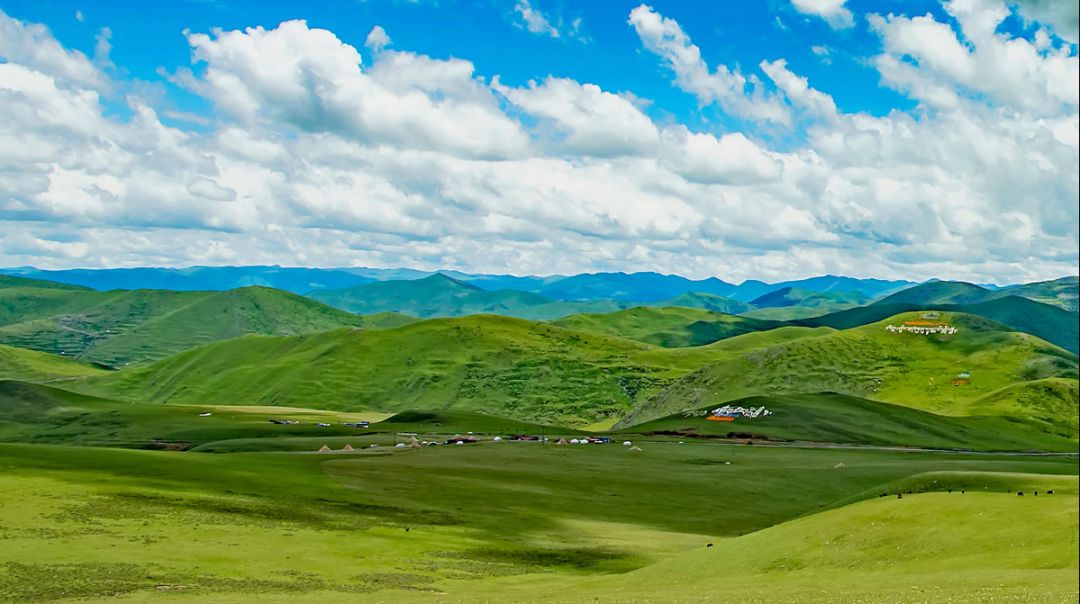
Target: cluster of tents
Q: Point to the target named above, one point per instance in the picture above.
(457, 439)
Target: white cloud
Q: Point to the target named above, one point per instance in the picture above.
(927, 59)
(313, 158)
(797, 89)
(377, 39)
(737, 94)
(32, 45)
(1062, 15)
(533, 20)
(832, 11)
(311, 80)
(587, 119)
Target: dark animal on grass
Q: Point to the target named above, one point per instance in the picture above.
(709, 545)
(1019, 493)
(899, 496)
(1050, 492)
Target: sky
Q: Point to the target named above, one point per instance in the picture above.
(771, 140)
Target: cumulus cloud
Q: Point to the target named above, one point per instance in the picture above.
(315, 158)
(736, 93)
(533, 20)
(832, 11)
(926, 58)
(587, 119)
(313, 81)
(377, 39)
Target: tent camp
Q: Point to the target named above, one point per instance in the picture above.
(347, 447)
(324, 449)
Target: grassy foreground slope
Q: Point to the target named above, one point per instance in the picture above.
(840, 418)
(124, 326)
(869, 361)
(37, 413)
(31, 365)
(975, 547)
(670, 327)
(505, 522)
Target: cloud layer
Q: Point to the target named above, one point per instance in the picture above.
(316, 157)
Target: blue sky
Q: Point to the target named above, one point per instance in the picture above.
(488, 33)
(597, 144)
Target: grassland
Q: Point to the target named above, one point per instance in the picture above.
(508, 522)
(839, 418)
(23, 364)
(670, 327)
(130, 326)
(868, 361)
(535, 372)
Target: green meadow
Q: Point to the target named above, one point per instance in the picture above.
(208, 447)
(522, 521)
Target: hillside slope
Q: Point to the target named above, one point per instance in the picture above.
(442, 296)
(531, 371)
(34, 366)
(934, 546)
(870, 361)
(840, 418)
(128, 326)
(669, 327)
(1050, 323)
(1061, 292)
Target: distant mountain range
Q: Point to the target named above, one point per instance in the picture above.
(642, 287)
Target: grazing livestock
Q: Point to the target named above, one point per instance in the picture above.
(1019, 493)
(1050, 492)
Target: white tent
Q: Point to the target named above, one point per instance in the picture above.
(626, 443)
(497, 439)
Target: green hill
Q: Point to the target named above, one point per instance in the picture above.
(869, 361)
(443, 296)
(7, 281)
(669, 327)
(31, 365)
(983, 546)
(1061, 292)
(531, 371)
(938, 292)
(1052, 402)
(498, 365)
(129, 326)
(707, 302)
(840, 418)
(1050, 323)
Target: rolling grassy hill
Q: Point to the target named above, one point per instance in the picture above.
(129, 326)
(938, 292)
(869, 361)
(669, 327)
(984, 546)
(443, 296)
(1047, 322)
(706, 302)
(530, 371)
(519, 522)
(796, 303)
(500, 365)
(31, 365)
(840, 418)
(1061, 292)
(7, 281)
(298, 280)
